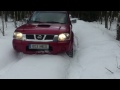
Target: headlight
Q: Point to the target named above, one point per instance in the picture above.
(63, 36)
(18, 35)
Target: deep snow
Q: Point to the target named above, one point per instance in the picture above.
(97, 56)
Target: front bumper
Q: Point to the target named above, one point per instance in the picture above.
(55, 47)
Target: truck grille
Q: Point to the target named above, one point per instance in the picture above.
(49, 37)
(39, 37)
(29, 36)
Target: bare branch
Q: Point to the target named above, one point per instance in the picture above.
(109, 70)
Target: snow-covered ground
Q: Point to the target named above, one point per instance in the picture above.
(97, 56)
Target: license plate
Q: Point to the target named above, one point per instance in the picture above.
(39, 46)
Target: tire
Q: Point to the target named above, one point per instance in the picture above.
(70, 53)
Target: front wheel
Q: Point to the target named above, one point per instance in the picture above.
(70, 53)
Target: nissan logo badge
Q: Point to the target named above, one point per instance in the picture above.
(39, 37)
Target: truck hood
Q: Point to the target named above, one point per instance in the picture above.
(43, 28)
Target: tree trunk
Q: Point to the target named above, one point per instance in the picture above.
(6, 16)
(101, 17)
(106, 19)
(111, 18)
(118, 27)
(15, 20)
(3, 32)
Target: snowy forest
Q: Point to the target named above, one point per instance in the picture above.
(99, 16)
(96, 46)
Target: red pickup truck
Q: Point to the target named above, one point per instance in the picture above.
(46, 32)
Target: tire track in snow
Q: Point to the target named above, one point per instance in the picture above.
(19, 58)
(76, 69)
(7, 63)
(74, 61)
(39, 67)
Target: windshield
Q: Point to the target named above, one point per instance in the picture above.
(49, 17)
